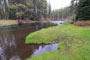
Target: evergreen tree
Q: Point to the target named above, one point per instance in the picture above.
(83, 11)
(73, 8)
(49, 10)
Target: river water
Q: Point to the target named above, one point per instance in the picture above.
(12, 42)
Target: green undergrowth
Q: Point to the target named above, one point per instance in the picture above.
(74, 42)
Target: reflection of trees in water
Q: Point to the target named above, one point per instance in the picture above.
(12, 41)
(7, 45)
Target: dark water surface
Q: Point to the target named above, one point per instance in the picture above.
(12, 42)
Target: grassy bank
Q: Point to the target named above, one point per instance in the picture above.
(15, 22)
(74, 42)
(12, 22)
(8, 22)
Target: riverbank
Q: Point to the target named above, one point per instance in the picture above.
(74, 42)
(8, 22)
(13, 22)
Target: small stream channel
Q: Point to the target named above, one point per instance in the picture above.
(12, 42)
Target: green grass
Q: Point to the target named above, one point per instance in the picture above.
(74, 42)
(8, 22)
(13, 22)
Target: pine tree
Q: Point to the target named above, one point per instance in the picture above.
(83, 11)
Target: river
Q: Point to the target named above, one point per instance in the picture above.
(12, 42)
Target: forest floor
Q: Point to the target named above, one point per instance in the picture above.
(74, 42)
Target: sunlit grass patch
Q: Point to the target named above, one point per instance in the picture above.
(65, 32)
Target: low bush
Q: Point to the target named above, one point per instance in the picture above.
(82, 23)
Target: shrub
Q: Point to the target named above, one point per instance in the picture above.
(82, 23)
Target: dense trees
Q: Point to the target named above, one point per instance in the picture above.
(49, 10)
(40, 9)
(60, 14)
(80, 9)
(24, 9)
(31, 9)
(73, 8)
(83, 11)
(74, 4)
(3, 9)
(67, 12)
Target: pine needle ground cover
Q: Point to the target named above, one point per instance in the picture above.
(74, 42)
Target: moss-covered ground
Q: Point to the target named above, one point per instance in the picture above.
(74, 42)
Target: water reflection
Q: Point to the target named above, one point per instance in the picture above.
(58, 22)
(12, 41)
(2, 56)
(46, 48)
(7, 45)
